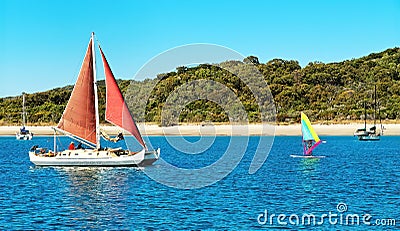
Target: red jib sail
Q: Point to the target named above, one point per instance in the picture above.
(79, 116)
(117, 112)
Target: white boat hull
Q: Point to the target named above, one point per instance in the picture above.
(360, 133)
(23, 136)
(372, 137)
(86, 157)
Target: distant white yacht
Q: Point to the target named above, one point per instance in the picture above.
(23, 133)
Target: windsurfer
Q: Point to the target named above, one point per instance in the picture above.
(309, 145)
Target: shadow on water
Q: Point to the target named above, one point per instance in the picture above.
(95, 193)
(91, 197)
(309, 165)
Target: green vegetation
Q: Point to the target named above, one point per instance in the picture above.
(326, 92)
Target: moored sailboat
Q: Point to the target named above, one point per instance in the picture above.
(371, 134)
(23, 134)
(310, 139)
(80, 121)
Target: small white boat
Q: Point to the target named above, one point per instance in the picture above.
(23, 133)
(80, 121)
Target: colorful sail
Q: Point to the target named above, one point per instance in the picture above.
(79, 117)
(117, 112)
(309, 134)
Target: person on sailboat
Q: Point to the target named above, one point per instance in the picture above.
(119, 137)
(71, 146)
(23, 130)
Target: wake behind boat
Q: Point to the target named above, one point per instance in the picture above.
(80, 121)
(310, 139)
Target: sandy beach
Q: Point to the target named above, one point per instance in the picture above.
(222, 130)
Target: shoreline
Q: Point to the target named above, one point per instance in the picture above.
(221, 130)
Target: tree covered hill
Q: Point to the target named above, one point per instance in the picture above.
(326, 92)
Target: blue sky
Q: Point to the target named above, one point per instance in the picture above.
(42, 43)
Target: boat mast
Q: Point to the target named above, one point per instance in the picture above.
(23, 109)
(302, 136)
(365, 116)
(96, 98)
(55, 141)
(380, 120)
(375, 106)
(379, 113)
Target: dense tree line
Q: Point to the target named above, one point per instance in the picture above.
(326, 92)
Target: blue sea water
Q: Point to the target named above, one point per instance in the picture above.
(355, 178)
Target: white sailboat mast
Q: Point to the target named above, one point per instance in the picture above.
(23, 109)
(96, 98)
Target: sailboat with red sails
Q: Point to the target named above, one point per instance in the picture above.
(80, 121)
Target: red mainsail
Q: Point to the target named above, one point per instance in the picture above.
(117, 112)
(79, 116)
